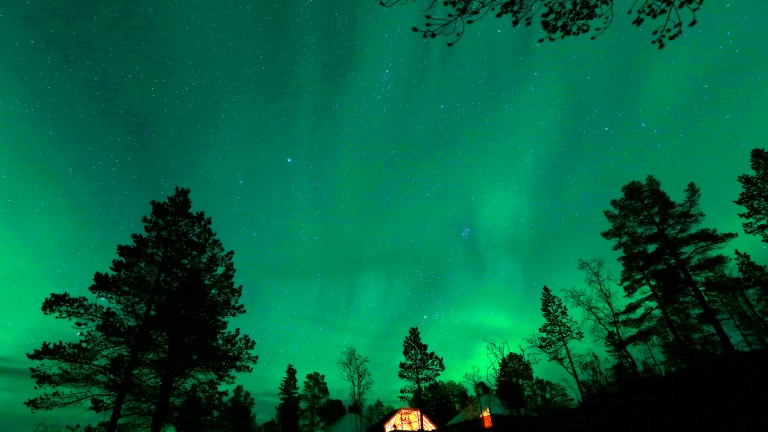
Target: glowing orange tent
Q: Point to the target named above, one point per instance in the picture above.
(407, 419)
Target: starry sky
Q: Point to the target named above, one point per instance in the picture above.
(367, 180)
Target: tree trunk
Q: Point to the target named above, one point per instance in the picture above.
(757, 320)
(125, 386)
(575, 374)
(126, 383)
(709, 313)
(162, 404)
(684, 347)
(419, 403)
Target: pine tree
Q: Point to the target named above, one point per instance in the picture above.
(557, 333)
(288, 410)
(313, 397)
(754, 195)
(158, 329)
(658, 236)
(420, 369)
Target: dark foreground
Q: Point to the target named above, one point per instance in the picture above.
(723, 394)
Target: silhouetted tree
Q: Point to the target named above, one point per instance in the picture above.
(473, 377)
(354, 370)
(511, 373)
(547, 397)
(659, 236)
(237, 413)
(200, 410)
(601, 305)
(376, 411)
(754, 280)
(420, 369)
(288, 410)
(332, 410)
(654, 310)
(514, 380)
(558, 18)
(313, 397)
(741, 298)
(595, 379)
(443, 400)
(557, 333)
(158, 329)
(754, 195)
(482, 388)
(269, 426)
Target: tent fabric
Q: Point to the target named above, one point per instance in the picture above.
(407, 419)
(349, 422)
(484, 406)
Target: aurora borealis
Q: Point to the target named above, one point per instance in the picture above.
(367, 180)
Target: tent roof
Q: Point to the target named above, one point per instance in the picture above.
(349, 422)
(489, 404)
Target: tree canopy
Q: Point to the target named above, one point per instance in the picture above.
(557, 333)
(354, 369)
(558, 18)
(754, 195)
(289, 409)
(664, 248)
(420, 368)
(156, 328)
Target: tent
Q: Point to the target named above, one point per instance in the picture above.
(349, 422)
(483, 408)
(407, 419)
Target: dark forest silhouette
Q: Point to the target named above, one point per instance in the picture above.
(558, 18)
(684, 330)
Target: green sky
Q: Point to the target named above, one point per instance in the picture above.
(367, 180)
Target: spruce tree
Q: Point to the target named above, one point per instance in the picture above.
(288, 410)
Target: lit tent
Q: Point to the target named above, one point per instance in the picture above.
(407, 419)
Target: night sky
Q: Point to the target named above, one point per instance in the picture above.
(367, 180)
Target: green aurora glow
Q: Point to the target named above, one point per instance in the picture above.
(367, 180)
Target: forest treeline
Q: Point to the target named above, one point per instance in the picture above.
(681, 331)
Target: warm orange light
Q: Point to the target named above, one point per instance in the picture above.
(487, 418)
(407, 419)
